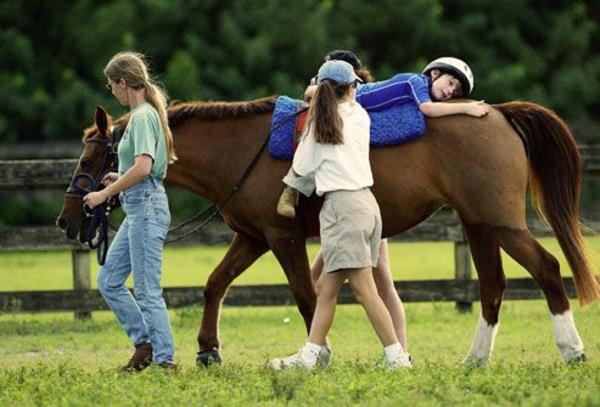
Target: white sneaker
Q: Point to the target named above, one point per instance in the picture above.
(400, 360)
(305, 358)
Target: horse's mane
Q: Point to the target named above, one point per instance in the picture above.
(182, 112)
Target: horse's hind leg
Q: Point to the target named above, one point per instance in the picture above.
(545, 269)
(485, 249)
(242, 252)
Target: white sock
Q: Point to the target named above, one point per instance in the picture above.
(391, 351)
(313, 346)
(566, 335)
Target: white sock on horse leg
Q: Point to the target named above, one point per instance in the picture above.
(483, 343)
(566, 335)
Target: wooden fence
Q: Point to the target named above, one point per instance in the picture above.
(53, 174)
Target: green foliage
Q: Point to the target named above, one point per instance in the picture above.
(53, 52)
(26, 208)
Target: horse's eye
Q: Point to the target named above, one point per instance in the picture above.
(86, 163)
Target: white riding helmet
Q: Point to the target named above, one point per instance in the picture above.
(457, 68)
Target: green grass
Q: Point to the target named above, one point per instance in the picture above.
(190, 266)
(50, 359)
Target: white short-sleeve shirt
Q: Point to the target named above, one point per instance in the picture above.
(343, 166)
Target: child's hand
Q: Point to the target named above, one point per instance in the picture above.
(478, 109)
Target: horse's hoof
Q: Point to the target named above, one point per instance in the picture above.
(581, 358)
(208, 357)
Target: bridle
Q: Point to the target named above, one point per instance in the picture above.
(99, 215)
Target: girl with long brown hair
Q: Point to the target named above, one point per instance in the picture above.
(335, 151)
(382, 273)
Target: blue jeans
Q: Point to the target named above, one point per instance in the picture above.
(138, 248)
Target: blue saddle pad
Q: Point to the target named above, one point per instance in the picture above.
(397, 124)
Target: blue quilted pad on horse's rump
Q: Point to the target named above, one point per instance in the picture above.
(395, 125)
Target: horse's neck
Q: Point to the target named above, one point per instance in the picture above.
(213, 155)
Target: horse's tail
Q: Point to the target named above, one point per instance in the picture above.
(555, 181)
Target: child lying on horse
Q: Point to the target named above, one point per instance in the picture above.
(443, 79)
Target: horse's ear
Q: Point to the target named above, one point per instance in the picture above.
(101, 118)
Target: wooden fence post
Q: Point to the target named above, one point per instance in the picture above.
(462, 272)
(81, 277)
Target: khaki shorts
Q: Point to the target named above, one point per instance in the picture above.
(350, 230)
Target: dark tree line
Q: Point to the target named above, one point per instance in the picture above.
(52, 52)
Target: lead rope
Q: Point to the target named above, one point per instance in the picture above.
(99, 219)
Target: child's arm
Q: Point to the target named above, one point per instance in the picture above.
(437, 109)
(309, 92)
(301, 175)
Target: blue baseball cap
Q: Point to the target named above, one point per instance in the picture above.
(339, 71)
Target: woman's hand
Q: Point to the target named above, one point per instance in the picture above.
(94, 199)
(478, 109)
(109, 178)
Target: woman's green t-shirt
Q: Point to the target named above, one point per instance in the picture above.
(144, 135)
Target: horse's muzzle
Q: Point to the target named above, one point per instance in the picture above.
(62, 223)
(71, 230)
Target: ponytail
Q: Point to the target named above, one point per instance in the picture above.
(323, 113)
(157, 97)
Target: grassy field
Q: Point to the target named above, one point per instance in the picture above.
(50, 359)
(190, 266)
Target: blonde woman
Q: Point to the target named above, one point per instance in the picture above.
(145, 151)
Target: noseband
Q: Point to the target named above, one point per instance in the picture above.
(98, 215)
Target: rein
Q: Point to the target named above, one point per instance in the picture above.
(99, 215)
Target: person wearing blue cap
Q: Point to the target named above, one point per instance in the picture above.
(382, 274)
(334, 150)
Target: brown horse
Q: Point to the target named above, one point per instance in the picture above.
(481, 167)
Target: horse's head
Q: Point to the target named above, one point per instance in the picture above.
(98, 157)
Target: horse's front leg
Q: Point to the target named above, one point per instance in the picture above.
(242, 252)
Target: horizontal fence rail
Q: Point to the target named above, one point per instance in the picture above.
(266, 295)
